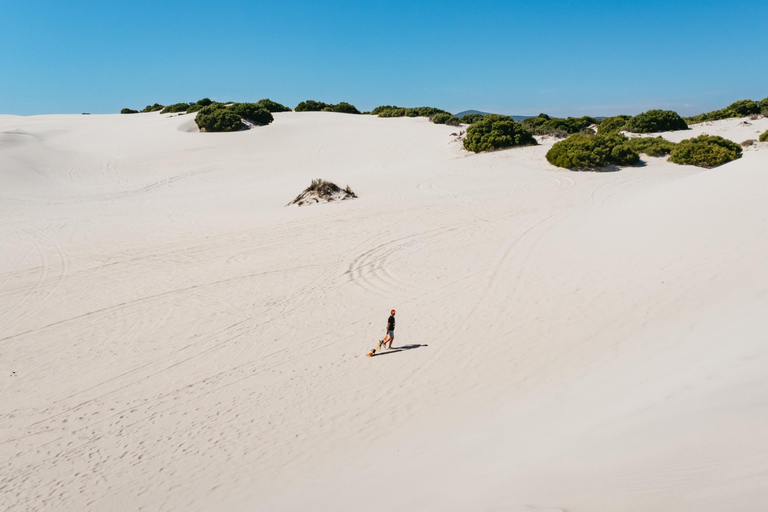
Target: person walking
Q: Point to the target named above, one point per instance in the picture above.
(390, 329)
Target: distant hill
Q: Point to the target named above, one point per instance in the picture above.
(465, 112)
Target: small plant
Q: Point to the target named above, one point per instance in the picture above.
(656, 121)
(763, 136)
(705, 151)
(176, 107)
(129, 111)
(747, 143)
(320, 191)
(651, 146)
(592, 152)
(497, 132)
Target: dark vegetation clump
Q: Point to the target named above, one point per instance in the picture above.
(273, 106)
(345, 108)
(497, 132)
(194, 107)
(129, 111)
(651, 146)
(764, 107)
(592, 152)
(613, 124)
(656, 121)
(705, 151)
(153, 108)
(747, 143)
(218, 118)
(319, 106)
(741, 108)
(253, 112)
(545, 125)
(323, 191)
(176, 107)
(471, 118)
(445, 118)
(764, 136)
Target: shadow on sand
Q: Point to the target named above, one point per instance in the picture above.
(395, 350)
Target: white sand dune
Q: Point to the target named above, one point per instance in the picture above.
(173, 338)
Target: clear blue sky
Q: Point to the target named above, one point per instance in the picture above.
(515, 57)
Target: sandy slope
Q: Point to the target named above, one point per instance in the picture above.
(173, 338)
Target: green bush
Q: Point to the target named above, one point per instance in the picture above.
(273, 106)
(254, 112)
(176, 107)
(741, 108)
(656, 121)
(194, 108)
(345, 108)
(497, 132)
(153, 108)
(613, 124)
(395, 111)
(764, 136)
(592, 151)
(311, 106)
(651, 146)
(471, 118)
(705, 151)
(217, 118)
(445, 118)
(545, 125)
(129, 111)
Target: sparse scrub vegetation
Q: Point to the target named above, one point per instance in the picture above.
(194, 107)
(323, 191)
(747, 143)
(497, 132)
(656, 121)
(651, 146)
(176, 107)
(471, 118)
(545, 125)
(217, 118)
(445, 118)
(613, 124)
(592, 152)
(273, 106)
(129, 111)
(319, 106)
(705, 151)
(153, 108)
(254, 112)
(764, 136)
(345, 108)
(741, 108)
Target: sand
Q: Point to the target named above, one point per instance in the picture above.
(172, 337)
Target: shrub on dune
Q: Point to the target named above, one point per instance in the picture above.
(129, 111)
(345, 108)
(216, 118)
(395, 111)
(545, 125)
(656, 121)
(153, 108)
(651, 146)
(253, 112)
(311, 106)
(194, 107)
(497, 132)
(176, 107)
(273, 106)
(471, 118)
(592, 152)
(445, 118)
(764, 106)
(741, 108)
(705, 151)
(764, 136)
(613, 124)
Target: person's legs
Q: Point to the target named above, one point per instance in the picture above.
(391, 336)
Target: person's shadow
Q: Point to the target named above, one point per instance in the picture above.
(395, 350)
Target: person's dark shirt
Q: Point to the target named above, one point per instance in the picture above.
(391, 323)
